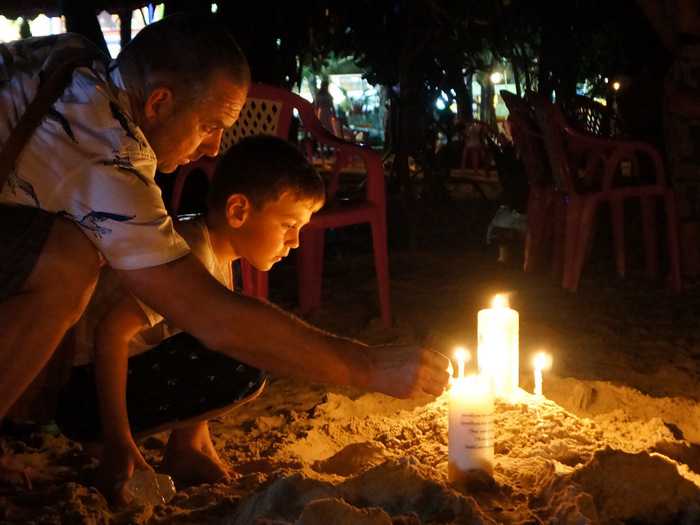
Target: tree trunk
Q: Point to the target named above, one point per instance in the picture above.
(516, 76)
(124, 27)
(488, 113)
(24, 30)
(81, 18)
(407, 122)
(410, 119)
(465, 98)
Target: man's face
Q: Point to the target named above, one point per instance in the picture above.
(268, 234)
(180, 135)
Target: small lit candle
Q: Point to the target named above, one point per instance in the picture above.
(470, 430)
(462, 356)
(498, 351)
(541, 361)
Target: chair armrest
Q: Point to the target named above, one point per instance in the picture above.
(345, 152)
(609, 153)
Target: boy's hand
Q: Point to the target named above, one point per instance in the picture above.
(119, 461)
(407, 371)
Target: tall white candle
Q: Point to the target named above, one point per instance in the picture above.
(498, 349)
(470, 430)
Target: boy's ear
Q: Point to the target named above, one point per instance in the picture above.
(159, 105)
(237, 210)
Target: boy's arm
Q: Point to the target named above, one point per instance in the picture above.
(266, 337)
(112, 337)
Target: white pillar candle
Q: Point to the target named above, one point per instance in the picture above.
(470, 440)
(498, 351)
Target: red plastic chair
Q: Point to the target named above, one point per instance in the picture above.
(542, 194)
(587, 170)
(269, 110)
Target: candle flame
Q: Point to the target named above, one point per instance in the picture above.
(462, 354)
(542, 361)
(499, 301)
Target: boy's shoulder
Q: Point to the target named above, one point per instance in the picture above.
(196, 234)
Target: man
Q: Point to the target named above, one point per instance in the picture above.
(83, 191)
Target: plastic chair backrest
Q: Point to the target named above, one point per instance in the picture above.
(270, 109)
(588, 116)
(528, 140)
(551, 123)
(267, 111)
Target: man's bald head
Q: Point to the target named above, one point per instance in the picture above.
(181, 52)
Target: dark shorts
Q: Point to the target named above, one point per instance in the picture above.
(177, 380)
(23, 232)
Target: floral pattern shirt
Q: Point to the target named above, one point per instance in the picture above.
(87, 161)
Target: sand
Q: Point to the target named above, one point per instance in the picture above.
(616, 440)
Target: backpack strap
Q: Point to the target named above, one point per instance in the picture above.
(53, 82)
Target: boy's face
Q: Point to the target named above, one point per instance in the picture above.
(268, 234)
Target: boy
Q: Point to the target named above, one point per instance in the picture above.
(262, 193)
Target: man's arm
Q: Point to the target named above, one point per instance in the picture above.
(262, 335)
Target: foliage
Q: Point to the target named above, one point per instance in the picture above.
(419, 49)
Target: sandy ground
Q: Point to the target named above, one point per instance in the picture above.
(617, 440)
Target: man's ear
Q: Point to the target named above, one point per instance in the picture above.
(160, 104)
(237, 210)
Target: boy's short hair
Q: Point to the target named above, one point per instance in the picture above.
(262, 168)
(182, 51)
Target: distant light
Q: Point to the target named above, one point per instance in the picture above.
(616, 86)
(440, 104)
(214, 8)
(278, 43)
(496, 77)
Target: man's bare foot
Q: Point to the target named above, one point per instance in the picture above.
(190, 457)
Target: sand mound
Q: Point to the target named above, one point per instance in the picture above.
(306, 453)
(550, 464)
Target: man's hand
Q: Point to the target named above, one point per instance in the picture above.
(120, 459)
(407, 371)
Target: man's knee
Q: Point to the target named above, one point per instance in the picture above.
(66, 271)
